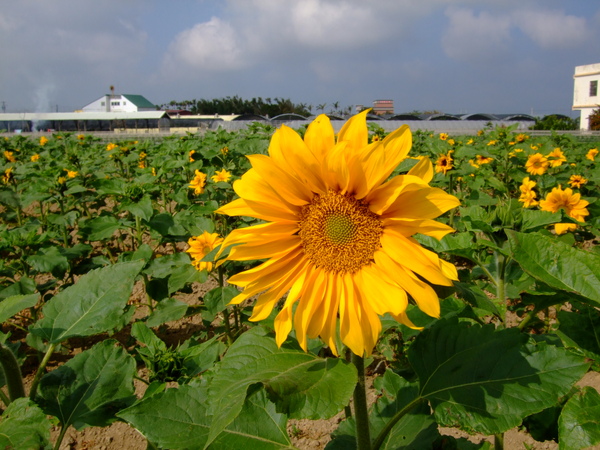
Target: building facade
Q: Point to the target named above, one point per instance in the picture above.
(381, 107)
(585, 92)
(120, 103)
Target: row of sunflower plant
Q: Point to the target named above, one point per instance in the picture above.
(454, 275)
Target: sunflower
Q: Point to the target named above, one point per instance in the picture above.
(198, 183)
(71, 173)
(221, 175)
(537, 164)
(10, 156)
(43, 140)
(7, 176)
(443, 163)
(337, 237)
(566, 200)
(202, 245)
(556, 157)
(443, 136)
(577, 180)
(591, 154)
(528, 195)
(35, 157)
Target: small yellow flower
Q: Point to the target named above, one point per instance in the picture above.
(111, 146)
(62, 180)
(443, 164)
(492, 142)
(576, 181)
(451, 142)
(143, 155)
(521, 137)
(470, 142)
(35, 157)
(198, 183)
(483, 159)
(537, 164)
(71, 173)
(221, 175)
(528, 195)
(375, 138)
(473, 163)
(202, 245)
(43, 140)
(10, 156)
(81, 137)
(556, 157)
(534, 147)
(443, 136)
(7, 177)
(191, 155)
(225, 150)
(591, 154)
(153, 171)
(142, 164)
(566, 200)
(480, 133)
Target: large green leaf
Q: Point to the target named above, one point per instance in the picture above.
(15, 304)
(23, 425)
(484, 380)
(177, 419)
(93, 305)
(301, 384)
(90, 388)
(100, 228)
(417, 429)
(216, 300)
(579, 422)
(141, 208)
(556, 263)
(167, 310)
(580, 330)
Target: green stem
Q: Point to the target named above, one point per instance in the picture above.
(4, 398)
(393, 421)
(499, 441)
(361, 412)
(41, 370)
(530, 315)
(500, 286)
(12, 374)
(63, 431)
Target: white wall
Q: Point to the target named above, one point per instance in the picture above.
(582, 100)
(114, 103)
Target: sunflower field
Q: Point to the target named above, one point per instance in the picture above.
(454, 279)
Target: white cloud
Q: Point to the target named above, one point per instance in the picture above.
(211, 46)
(553, 29)
(472, 37)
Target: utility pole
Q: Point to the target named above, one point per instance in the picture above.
(3, 106)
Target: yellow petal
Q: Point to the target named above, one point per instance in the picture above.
(385, 195)
(384, 295)
(410, 227)
(423, 169)
(309, 302)
(423, 294)
(423, 203)
(320, 136)
(283, 320)
(293, 190)
(265, 250)
(355, 132)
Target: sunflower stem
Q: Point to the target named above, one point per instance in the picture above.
(499, 441)
(40, 371)
(361, 412)
(12, 374)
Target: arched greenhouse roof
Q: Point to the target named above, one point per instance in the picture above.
(478, 116)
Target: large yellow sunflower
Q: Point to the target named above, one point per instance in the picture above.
(337, 233)
(566, 200)
(537, 164)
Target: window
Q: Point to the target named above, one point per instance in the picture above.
(593, 88)
(103, 104)
(115, 103)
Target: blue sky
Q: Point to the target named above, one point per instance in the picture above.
(455, 56)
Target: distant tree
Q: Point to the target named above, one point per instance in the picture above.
(555, 122)
(237, 105)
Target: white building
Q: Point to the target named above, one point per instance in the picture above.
(120, 103)
(585, 92)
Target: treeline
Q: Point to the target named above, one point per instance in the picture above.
(236, 105)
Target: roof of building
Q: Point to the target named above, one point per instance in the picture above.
(139, 100)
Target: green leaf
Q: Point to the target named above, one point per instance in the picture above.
(417, 429)
(301, 384)
(142, 209)
(24, 425)
(91, 387)
(487, 381)
(557, 264)
(100, 228)
(163, 267)
(15, 304)
(185, 274)
(475, 297)
(216, 300)
(199, 358)
(167, 310)
(166, 226)
(95, 304)
(177, 419)
(579, 422)
(580, 330)
(49, 260)
(535, 219)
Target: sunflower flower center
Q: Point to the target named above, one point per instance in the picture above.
(339, 233)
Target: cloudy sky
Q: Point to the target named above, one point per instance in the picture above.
(455, 56)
